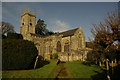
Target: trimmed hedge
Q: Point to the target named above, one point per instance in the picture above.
(11, 35)
(18, 54)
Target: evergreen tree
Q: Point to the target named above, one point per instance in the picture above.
(41, 28)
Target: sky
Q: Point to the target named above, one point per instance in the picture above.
(60, 16)
(60, 0)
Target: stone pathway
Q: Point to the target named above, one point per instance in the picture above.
(62, 72)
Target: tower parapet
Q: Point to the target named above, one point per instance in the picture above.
(27, 12)
(27, 23)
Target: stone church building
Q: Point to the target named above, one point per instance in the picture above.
(69, 45)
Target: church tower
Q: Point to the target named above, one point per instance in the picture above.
(27, 23)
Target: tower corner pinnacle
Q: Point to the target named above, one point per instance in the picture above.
(27, 10)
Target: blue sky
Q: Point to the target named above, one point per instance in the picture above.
(60, 16)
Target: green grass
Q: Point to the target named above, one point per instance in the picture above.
(43, 72)
(75, 69)
(79, 70)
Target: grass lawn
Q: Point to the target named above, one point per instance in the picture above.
(43, 72)
(74, 69)
(79, 70)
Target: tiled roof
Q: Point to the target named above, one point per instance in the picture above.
(68, 33)
(65, 33)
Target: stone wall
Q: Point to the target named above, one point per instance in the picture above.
(70, 45)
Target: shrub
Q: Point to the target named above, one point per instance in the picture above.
(18, 54)
(55, 56)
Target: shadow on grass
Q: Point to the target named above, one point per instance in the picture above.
(100, 75)
(41, 62)
(116, 73)
(88, 63)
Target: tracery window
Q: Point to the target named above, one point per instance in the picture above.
(58, 46)
(50, 49)
(66, 47)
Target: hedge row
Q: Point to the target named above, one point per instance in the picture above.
(12, 35)
(18, 54)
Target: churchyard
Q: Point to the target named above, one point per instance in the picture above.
(74, 69)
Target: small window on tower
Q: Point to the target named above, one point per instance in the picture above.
(22, 23)
(30, 24)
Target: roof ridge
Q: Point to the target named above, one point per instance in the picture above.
(69, 30)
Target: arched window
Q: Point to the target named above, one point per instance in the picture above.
(66, 47)
(44, 49)
(58, 46)
(50, 49)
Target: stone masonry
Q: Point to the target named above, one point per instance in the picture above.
(69, 45)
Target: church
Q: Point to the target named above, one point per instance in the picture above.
(69, 45)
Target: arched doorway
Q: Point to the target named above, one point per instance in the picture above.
(58, 46)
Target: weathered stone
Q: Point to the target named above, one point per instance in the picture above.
(70, 45)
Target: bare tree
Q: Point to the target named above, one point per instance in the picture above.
(107, 32)
(6, 27)
(113, 22)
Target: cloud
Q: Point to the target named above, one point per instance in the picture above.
(60, 26)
